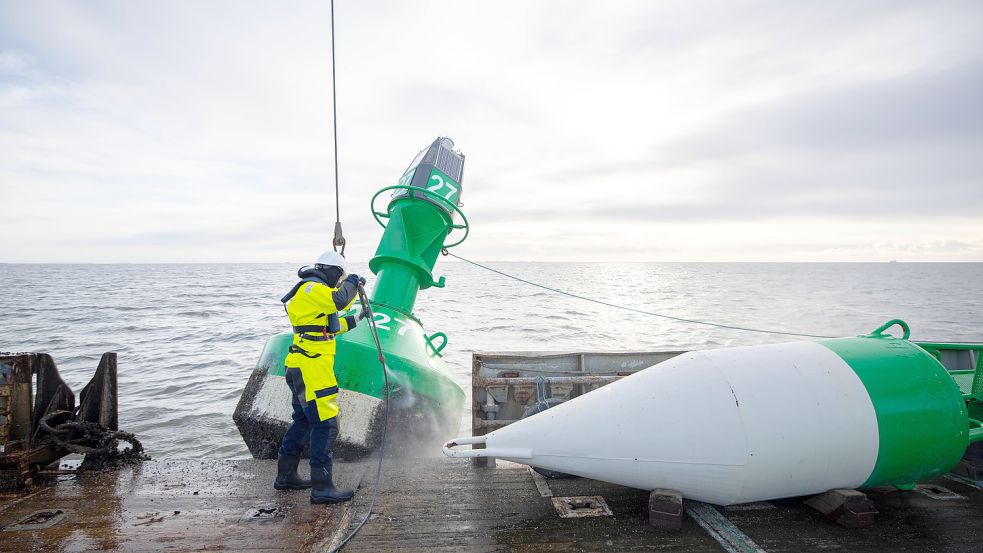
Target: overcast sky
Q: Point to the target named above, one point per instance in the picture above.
(631, 131)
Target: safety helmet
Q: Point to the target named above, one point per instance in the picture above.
(331, 258)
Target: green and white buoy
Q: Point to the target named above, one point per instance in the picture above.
(423, 217)
(746, 424)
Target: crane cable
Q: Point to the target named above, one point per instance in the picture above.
(339, 241)
(626, 308)
(339, 235)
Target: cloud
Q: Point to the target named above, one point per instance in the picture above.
(891, 148)
(143, 131)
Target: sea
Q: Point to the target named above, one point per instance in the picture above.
(188, 335)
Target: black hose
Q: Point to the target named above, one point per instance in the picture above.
(367, 306)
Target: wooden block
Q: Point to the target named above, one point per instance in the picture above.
(666, 509)
(848, 508)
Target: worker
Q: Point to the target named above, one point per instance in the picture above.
(313, 306)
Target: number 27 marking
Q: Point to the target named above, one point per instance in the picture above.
(382, 322)
(440, 184)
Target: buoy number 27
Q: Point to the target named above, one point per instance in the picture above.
(382, 321)
(442, 183)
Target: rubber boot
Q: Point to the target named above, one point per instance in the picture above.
(324, 490)
(286, 474)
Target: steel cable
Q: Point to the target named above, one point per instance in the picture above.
(334, 119)
(626, 308)
(339, 234)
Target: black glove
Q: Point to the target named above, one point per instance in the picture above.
(355, 279)
(363, 314)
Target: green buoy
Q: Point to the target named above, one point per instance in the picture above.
(422, 218)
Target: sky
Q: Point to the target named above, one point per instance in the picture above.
(201, 131)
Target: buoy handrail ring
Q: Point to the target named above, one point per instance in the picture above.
(379, 216)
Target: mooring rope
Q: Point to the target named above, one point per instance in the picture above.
(94, 440)
(626, 308)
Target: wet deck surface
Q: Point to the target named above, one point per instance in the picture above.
(444, 505)
(449, 506)
(173, 506)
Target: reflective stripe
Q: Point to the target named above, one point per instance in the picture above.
(293, 291)
(326, 392)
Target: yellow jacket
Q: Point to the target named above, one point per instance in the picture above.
(309, 307)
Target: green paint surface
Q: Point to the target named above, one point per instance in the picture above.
(408, 250)
(413, 368)
(921, 417)
(274, 354)
(403, 264)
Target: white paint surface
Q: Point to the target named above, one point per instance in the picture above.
(723, 426)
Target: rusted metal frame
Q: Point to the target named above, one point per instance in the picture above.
(23, 404)
(581, 389)
(4, 416)
(488, 408)
(484, 382)
(17, 448)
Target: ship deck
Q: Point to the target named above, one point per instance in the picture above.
(440, 504)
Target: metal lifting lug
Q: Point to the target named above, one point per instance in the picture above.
(339, 239)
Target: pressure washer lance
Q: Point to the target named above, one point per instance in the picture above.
(369, 316)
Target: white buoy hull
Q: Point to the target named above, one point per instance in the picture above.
(722, 426)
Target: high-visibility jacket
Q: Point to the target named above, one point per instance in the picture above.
(310, 307)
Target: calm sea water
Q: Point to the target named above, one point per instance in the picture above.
(188, 335)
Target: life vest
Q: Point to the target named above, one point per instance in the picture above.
(327, 328)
